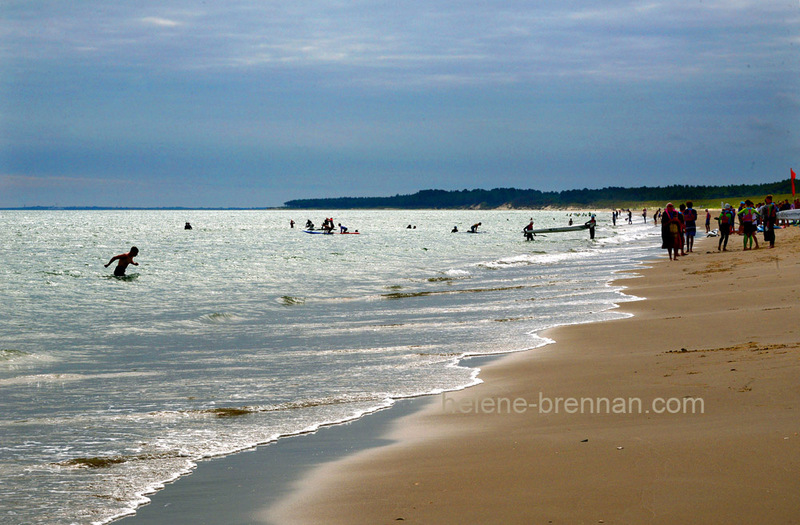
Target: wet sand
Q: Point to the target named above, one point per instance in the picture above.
(686, 412)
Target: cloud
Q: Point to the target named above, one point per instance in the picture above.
(440, 42)
(161, 22)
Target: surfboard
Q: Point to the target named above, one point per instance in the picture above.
(558, 229)
(789, 215)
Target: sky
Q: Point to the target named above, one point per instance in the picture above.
(252, 103)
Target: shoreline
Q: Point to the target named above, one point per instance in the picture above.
(233, 488)
(230, 489)
(718, 327)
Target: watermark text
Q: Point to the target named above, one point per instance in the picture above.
(572, 405)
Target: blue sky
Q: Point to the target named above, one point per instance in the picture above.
(252, 103)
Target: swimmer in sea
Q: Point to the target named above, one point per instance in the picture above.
(123, 260)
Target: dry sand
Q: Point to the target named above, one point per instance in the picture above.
(718, 332)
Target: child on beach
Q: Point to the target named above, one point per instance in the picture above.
(123, 260)
(747, 219)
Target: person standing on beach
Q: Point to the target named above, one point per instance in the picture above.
(123, 260)
(690, 222)
(682, 209)
(708, 220)
(769, 213)
(670, 231)
(725, 220)
(741, 224)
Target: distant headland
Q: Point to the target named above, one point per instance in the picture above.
(512, 198)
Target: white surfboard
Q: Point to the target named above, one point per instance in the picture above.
(789, 215)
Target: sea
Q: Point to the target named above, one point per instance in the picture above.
(243, 330)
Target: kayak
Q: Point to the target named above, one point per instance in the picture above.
(323, 232)
(559, 229)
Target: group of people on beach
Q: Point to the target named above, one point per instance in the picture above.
(679, 226)
(750, 216)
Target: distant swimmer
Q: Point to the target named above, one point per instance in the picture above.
(123, 260)
(187, 226)
(454, 230)
(291, 223)
(474, 227)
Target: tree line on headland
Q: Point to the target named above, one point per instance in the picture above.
(533, 199)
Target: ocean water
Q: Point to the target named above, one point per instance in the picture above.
(242, 330)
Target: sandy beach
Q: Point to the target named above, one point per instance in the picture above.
(686, 412)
